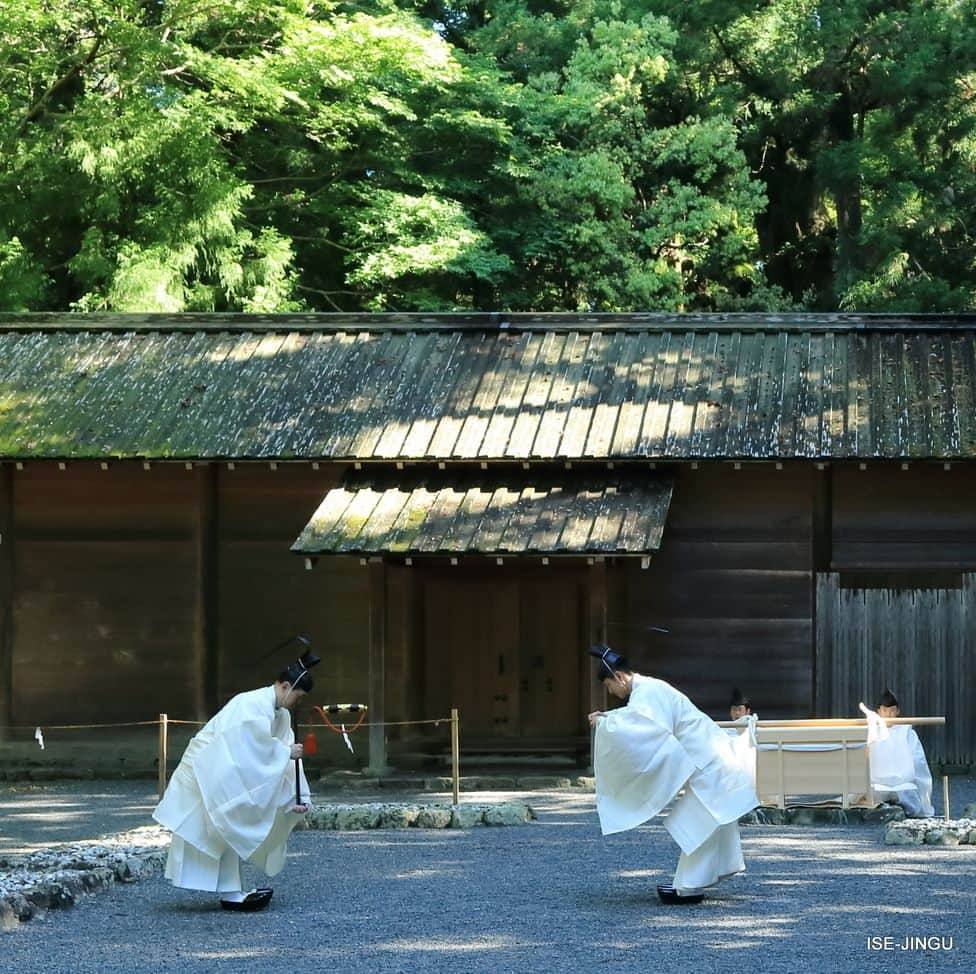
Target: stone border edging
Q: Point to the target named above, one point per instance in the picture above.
(353, 817)
(343, 781)
(822, 815)
(56, 877)
(932, 831)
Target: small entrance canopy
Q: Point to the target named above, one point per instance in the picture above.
(488, 512)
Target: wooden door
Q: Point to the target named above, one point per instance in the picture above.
(550, 648)
(472, 658)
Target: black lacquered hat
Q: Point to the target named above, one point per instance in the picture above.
(887, 699)
(610, 661)
(297, 673)
(739, 699)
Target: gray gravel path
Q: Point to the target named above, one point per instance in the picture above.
(35, 816)
(550, 897)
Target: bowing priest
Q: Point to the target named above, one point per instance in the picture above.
(660, 751)
(238, 792)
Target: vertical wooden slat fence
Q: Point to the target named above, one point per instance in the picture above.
(917, 642)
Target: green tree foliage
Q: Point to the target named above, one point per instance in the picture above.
(368, 169)
(257, 155)
(115, 187)
(859, 118)
(623, 193)
(269, 155)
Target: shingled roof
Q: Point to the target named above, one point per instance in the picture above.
(487, 387)
(488, 513)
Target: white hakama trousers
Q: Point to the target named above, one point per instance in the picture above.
(717, 858)
(709, 852)
(191, 868)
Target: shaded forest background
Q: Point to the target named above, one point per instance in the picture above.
(561, 155)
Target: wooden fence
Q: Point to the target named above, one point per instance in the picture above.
(920, 643)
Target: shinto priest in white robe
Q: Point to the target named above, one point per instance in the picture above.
(660, 751)
(230, 796)
(899, 771)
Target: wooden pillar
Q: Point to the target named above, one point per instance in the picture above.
(596, 634)
(597, 629)
(206, 633)
(6, 598)
(377, 667)
(821, 556)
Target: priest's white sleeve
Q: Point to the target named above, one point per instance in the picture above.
(242, 776)
(639, 767)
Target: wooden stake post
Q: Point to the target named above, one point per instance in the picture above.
(455, 755)
(163, 748)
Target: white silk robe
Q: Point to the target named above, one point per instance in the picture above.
(900, 773)
(230, 795)
(648, 751)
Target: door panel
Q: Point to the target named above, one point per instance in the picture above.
(505, 651)
(471, 635)
(549, 703)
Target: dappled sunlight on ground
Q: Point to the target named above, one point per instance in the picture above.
(543, 898)
(380, 838)
(857, 909)
(734, 945)
(35, 816)
(451, 947)
(426, 873)
(231, 954)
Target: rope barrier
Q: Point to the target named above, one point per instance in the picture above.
(163, 722)
(50, 727)
(200, 723)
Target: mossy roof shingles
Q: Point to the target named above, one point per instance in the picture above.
(487, 387)
(432, 512)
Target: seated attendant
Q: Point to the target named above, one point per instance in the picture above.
(899, 771)
(739, 706)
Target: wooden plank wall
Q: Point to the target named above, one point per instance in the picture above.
(898, 605)
(265, 594)
(6, 597)
(919, 519)
(113, 567)
(918, 643)
(733, 583)
(503, 644)
(104, 597)
(110, 569)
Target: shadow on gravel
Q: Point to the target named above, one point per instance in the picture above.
(545, 898)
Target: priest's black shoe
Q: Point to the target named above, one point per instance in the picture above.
(669, 895)
(256, 900)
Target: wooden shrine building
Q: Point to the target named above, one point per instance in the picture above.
(453, 507)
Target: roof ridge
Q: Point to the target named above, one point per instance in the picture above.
(486, 321)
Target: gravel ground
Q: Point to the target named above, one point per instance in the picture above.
(549, 897)
(36, 816)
